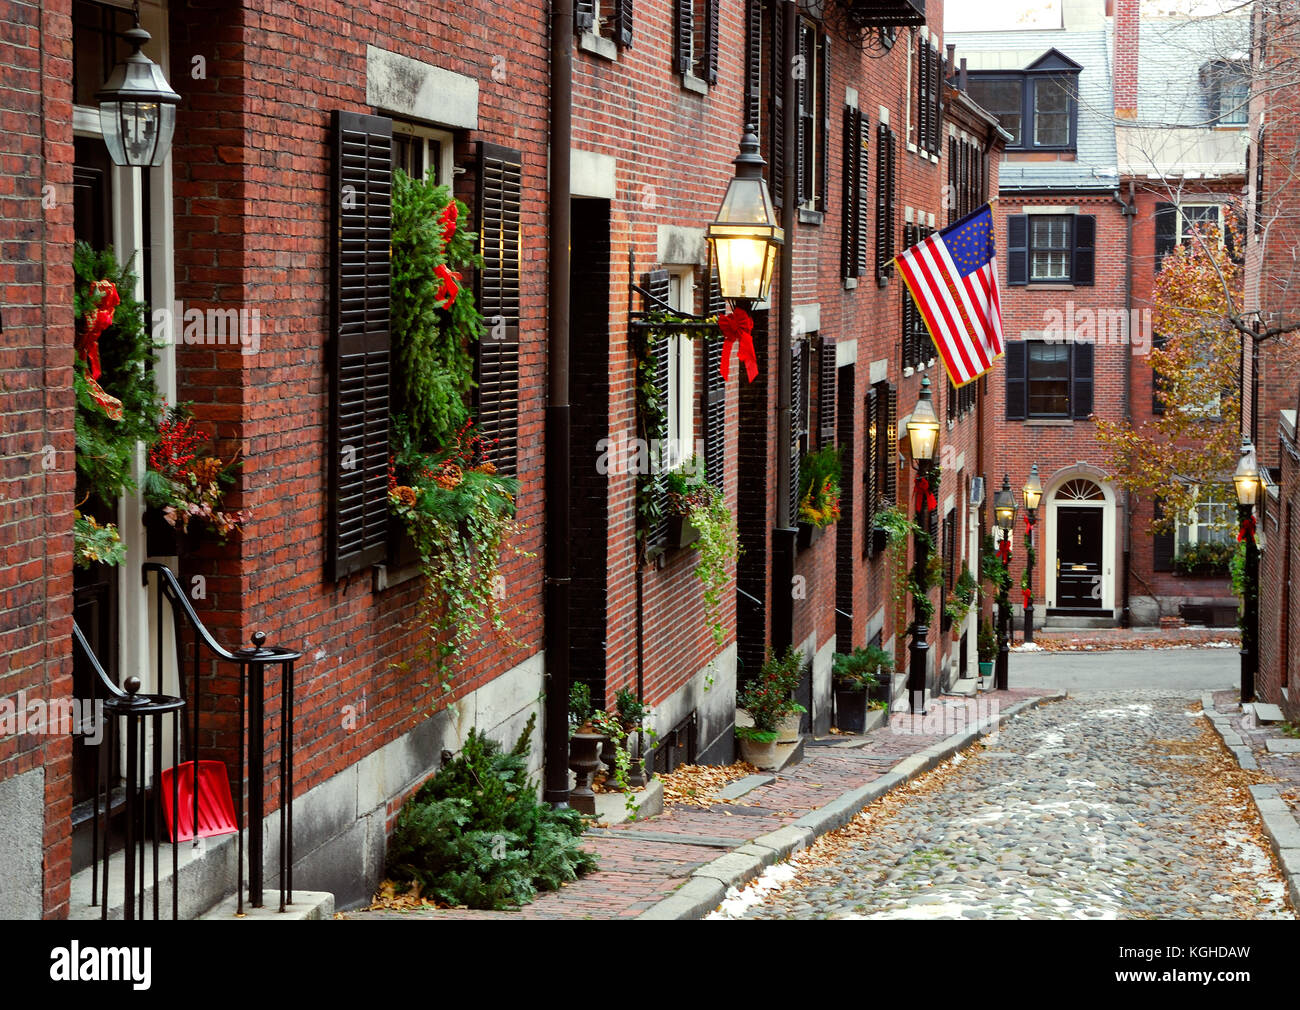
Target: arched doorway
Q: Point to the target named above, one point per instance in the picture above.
(1079, 534)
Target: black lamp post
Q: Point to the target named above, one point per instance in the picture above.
(137, 107)
(923, 433)
(1004, 512)
(1033, 495)
(1247, 483)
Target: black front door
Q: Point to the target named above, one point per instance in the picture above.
(1078, 557)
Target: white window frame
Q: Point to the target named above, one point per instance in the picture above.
(681, 372)
(1211, 530)
(1183, 220)
(446, 163)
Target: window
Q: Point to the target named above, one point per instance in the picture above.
(1048, 374)
(421, 152)
(1039, 106)
(1004, 98)
(967, 177)
(879, 472)
(929, 100)
(1051, 248)
(681, 373)
(1048, 380)
(886, 202)
(960, 401)
(918, 346)
(696, 39)
(813, 89)
(1176, 225)
(1227, 92)
(610, 19)
(1212, 520)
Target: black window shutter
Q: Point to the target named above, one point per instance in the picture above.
(936, 144)
(1157, 401)
(922, 94)
(1018, 249)
(358, 458)
(823, 141)
(584, 15)
(1085, 241)
(657, 284)
(714, 29)
(623, 22)
(684, 31)
(1017, 392)
(954, 191)
(891, 444)
(797, 413)
(885, 202)
(1166, 231)
(1162, 544)
(850, 210)
(1081, 380)
(870, 467)
(863, 199)
(499, 199)
(753, 64)
(776, 156)
(1259, 181)
(715, 395)
(826, 382)
(803, 126)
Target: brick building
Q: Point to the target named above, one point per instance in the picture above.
(1127, 134)
(291, 116)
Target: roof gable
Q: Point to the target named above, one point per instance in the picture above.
(1054, 61)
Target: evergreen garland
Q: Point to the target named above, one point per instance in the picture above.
(106, 448)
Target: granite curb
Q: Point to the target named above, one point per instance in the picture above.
(1280, 826)
(708, 884)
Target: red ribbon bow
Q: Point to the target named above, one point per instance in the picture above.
(448, 220)
(1247, 529)
(737, 326)
(1028, 596)
(450, 287)
(924, 496)
(1004, 551)
(97, 320)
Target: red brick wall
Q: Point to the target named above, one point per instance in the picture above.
(1127, 17)
(36, 404)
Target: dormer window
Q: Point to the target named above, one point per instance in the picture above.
(1227, 92)
(1038, 106)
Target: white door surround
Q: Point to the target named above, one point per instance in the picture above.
(1068, 487)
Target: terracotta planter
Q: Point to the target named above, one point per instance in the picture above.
(761, 755)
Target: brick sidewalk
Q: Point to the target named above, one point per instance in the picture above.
(1283, 767)
(644, 861)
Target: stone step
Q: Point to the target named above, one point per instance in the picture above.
(206, 871)
(611, 807)
(1266, 715)
(305, 905)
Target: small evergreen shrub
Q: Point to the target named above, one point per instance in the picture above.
(477, 835)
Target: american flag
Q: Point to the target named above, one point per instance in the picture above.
(953, 277)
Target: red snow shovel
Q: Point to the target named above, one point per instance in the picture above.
(216, 808)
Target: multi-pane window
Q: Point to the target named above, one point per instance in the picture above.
(1197, 216)
(696, 39)
(967, 177)
(681, 373)
(610, 19)
(1039, 110)
(1049, 248)
(812, 81)
(1178, 224)
(1048, 375)
(1227, 92)
(422, 153)
(1210, 521)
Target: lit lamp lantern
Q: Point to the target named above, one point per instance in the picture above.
(1033, 491)
(923, 426)
(137, 108)
(745, 235)
(1246, 477)
(1004, 506)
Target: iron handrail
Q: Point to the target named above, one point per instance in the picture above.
(176, 596)
(104, 681)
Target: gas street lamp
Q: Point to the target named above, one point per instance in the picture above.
(923, 433)
(1004, 512)
(137, 107)
(1033, 491)
(745, 235)
(1247, 484)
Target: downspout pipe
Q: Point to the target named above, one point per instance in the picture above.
(558, 558)
(784, 535)
(1129, 211)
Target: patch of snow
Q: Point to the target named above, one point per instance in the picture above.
(737, 903)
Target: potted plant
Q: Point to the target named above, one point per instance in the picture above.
(853, 675)
(769, 700)
(686, 492)
(958, 605)
(987, 646)
(819, 493)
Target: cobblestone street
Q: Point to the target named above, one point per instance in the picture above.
(1111, 805)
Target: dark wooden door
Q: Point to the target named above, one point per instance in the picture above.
(1078, 557)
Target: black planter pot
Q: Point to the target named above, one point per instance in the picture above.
(681, 533)
(162, 540)
(809, 534)
(882, 691)
(850, 710)
(879, 540)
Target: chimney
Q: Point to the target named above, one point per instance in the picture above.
(1126, 58)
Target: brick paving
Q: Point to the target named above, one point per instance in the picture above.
(638, 867)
